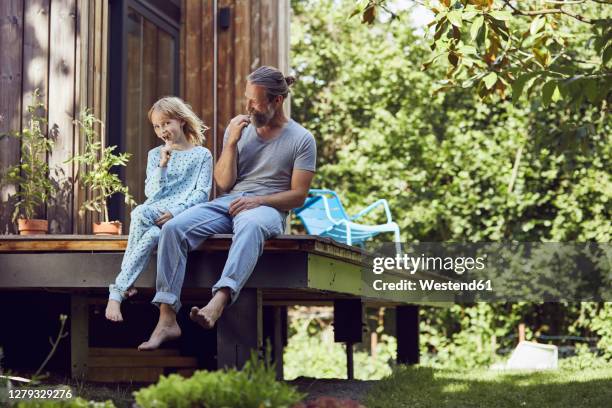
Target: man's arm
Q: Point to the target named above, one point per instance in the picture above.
(226, 168)
(283, 201)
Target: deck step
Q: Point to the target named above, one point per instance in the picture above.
(128, 352)
(131, 365)
(123, 374)
(143, 361)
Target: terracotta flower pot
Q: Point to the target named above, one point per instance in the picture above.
(107, 228)
(32, 227)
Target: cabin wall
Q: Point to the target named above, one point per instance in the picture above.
(62, 48)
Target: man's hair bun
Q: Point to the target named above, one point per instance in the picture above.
(290, 80)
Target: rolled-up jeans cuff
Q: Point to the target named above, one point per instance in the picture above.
(167, 298)
(227, 283)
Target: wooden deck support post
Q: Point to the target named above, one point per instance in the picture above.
(79, 335)
(350, 366)
(275, 331)
(348, 327)
(239, 330)
(407, 326)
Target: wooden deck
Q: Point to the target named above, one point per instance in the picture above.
(292, 270)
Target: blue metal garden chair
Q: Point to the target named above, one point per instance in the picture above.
(323, 214)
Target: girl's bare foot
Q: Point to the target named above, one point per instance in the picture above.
(113, 311)
(164, 331)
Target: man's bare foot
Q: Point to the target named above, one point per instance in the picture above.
(113, 311)
(209, 314)
(164, 331)
(205, 317)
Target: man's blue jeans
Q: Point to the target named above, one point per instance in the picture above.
(190, 228)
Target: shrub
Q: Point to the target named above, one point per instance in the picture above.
(312, 352)
(254, 386)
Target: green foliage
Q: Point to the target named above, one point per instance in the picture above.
(583, 360)
(471, 343)
(597, 319)
(552, 51)
(470, 336)
(602, 325)
(96, 176)
(254, 386)
(312, 352)
(31, 175)
(452, 167)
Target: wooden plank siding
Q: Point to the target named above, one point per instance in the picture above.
(207, 87)
(61, 47)
(11, 29)
(35, 62)
(61, 110)
(253, 38)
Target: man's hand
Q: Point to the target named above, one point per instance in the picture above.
(165, 217)
(164, 154)
(235, 128)
(242, 204)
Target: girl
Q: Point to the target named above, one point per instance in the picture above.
(179, 175)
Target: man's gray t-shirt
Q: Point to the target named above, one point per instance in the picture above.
(266, 167)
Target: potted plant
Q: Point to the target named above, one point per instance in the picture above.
(31, 174)
(95, 175)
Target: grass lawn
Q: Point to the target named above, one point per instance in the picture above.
(427, 387)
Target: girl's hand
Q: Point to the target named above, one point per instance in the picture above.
(165, 217)
(165, 153)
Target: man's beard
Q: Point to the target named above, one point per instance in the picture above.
(261, 119)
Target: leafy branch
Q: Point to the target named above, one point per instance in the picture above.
(497, 46)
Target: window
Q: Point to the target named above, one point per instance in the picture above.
(144, 66)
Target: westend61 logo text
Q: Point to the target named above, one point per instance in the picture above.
(424, 263)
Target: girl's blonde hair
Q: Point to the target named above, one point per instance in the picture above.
(175, 108)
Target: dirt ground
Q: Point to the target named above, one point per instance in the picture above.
(121, 394)
(343, 389)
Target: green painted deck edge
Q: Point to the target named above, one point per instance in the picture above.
(334, 275)
(339, 276)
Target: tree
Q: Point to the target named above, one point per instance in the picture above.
(557, 50)
(452, 167)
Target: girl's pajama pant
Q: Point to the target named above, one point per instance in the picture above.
(143, 238)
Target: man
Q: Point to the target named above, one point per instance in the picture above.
(265, 170)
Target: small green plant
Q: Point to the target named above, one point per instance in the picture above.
(31, 174)
(254, 386)
(67, 403)
(98, 160)
(4, 382)
(54, 343)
